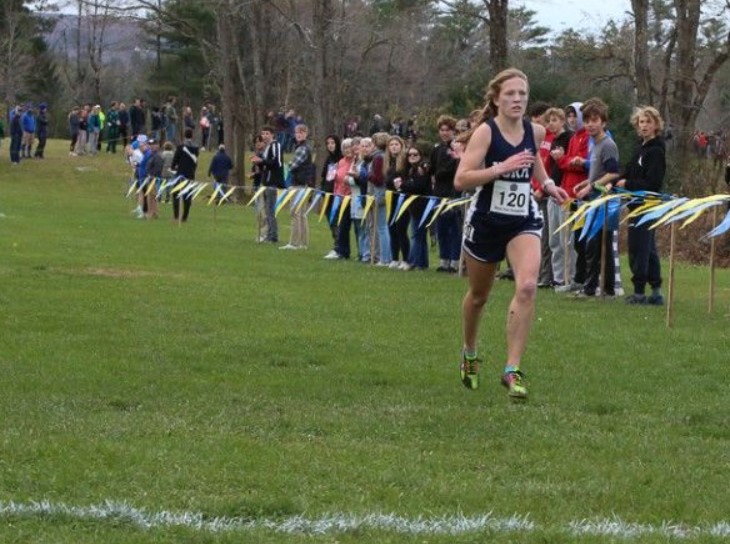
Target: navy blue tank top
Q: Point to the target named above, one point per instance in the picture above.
(506, 202)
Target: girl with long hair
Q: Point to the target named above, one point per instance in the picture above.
(503, 220)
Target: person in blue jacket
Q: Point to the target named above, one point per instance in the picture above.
(28, 123)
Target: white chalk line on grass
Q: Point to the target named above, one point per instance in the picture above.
(341, 523)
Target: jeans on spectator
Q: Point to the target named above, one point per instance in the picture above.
(362, 234)
(381, 226)
(272, 230)
(170, 132)
(93, 139)
(419, 245)
(448, 228)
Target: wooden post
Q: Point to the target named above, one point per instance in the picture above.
(604, 236)
(670, 295)
(711, 303)
(257, 218)
(566, 236)
(374, 231)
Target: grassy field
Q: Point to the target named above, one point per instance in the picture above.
(170, 384)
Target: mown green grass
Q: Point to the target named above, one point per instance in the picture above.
(192, 369)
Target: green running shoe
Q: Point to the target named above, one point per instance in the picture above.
(514, 382)
(470, 371)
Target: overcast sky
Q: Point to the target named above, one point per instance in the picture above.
(589, 14)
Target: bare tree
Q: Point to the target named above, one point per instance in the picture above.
(15, 59)
(692, 81)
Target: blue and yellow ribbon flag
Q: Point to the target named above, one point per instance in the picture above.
(655, 208)
(658, 208)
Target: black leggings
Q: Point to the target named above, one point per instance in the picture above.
(399, 242)
(176, 207)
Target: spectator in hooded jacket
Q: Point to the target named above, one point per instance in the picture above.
(327, 177)
(645, 172)
(573, 162)
(220, 166)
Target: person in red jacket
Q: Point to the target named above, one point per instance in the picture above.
(574, 165)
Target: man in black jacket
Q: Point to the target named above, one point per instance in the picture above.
(137, 117)
(185, 162)
(448, 225)
(272, 177)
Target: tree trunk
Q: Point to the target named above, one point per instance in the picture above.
(498, 12)
(229, 24)
(684, 113)
(644, 93)
(257, 59)
(322, 87)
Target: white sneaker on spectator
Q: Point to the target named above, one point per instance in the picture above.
(404, 266)
(288, 246)
(332, 255)
(394, 264)
(569, 288)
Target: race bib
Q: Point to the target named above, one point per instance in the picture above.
(510, 198)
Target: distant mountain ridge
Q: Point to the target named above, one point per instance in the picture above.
(123, 38)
